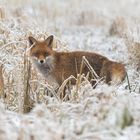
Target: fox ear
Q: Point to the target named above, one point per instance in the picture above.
(49, 41)
(32, 40)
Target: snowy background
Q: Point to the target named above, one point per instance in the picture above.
(110, 28)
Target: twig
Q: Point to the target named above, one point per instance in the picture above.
(3, 47)
(129, 86)
(50, 88)
(94, 74)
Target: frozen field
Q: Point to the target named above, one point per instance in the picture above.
(108, 27)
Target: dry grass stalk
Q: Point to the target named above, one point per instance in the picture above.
(2, 13)
(27, 105)
(34, 85)
(61, 89)
(97, 81)
(95, 77)
(94, 74)
(1, 82)
(50, 88)
(79, 78)
(92, 71)
(129, 86)
(78, 81)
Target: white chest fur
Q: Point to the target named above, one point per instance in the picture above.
(46, 70)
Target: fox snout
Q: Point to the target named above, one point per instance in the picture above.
(41, 61)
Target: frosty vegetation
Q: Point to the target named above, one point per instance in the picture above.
(110, 28)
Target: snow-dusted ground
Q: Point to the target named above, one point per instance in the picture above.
(103, 113)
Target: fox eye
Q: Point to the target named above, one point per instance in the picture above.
(36, 54)
(46, 54)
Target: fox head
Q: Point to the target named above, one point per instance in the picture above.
(40, 51)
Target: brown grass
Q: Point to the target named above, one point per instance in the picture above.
(118, 27)
(134, 51)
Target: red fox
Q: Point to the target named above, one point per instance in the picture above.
(58, 66)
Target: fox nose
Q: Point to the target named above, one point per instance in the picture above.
(41, 61)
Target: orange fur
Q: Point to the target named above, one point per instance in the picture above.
(58, 66)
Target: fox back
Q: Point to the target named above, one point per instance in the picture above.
(58, 66)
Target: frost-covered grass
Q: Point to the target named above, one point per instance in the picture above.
(110, 28)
